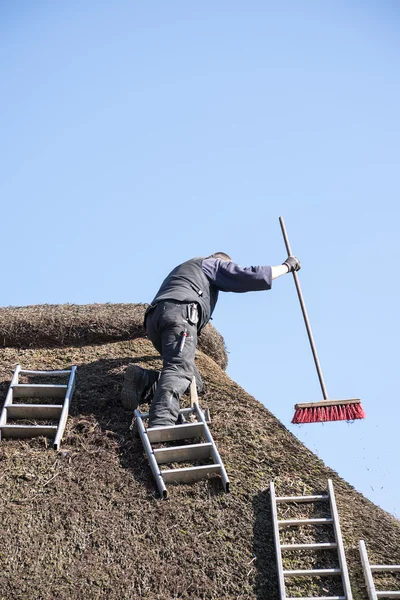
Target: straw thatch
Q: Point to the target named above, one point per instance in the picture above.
(87, 522)
(50, 325)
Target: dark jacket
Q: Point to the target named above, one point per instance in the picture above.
(201, 279)
(188, 283)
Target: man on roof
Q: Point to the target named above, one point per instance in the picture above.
(180, 310)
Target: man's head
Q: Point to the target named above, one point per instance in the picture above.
(220, 255)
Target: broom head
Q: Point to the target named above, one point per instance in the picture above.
(328, 410)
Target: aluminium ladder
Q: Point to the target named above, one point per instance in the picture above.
(337, 545)
(37, 412)
(185, 453)
(369, 569)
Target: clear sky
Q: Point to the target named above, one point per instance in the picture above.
(135, 135)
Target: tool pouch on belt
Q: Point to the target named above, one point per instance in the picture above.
(193, 313)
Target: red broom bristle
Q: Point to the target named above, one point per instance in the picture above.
(320, 414)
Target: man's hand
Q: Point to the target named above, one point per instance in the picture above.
(292, 263)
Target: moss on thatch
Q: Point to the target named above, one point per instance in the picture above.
(87, 522)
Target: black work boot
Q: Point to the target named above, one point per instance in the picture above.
(139, 386)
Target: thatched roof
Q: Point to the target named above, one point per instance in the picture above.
(88, 523)
(54, 325)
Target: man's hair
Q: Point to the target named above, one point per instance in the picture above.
(220, 255)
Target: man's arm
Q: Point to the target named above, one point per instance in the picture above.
(227, 276)
(291, 264)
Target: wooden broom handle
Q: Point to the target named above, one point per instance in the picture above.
(304, 311)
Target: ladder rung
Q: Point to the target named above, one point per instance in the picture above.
(34, 411)
(312, 572)
(319, 498)
(182, 453)
(321, 521)
(316, 546)
(28, 430)
(183, 411)
(175, 432)
(387, 594)
(189, 474)
(43, 373)
(382, 568)
(319, 598)
(23, 390)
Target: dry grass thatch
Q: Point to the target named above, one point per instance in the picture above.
(87, 522)
(50, 325)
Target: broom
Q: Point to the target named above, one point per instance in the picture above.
(325, 410)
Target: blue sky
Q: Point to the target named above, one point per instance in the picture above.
(137, 135)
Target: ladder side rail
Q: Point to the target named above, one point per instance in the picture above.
(215, 454)
(150, 455)
(339, 541)
(65, 409)
(9, 396)
(194, 399)
(369, 580)
(279, 563)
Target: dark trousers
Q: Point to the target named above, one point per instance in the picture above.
(165, 325)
